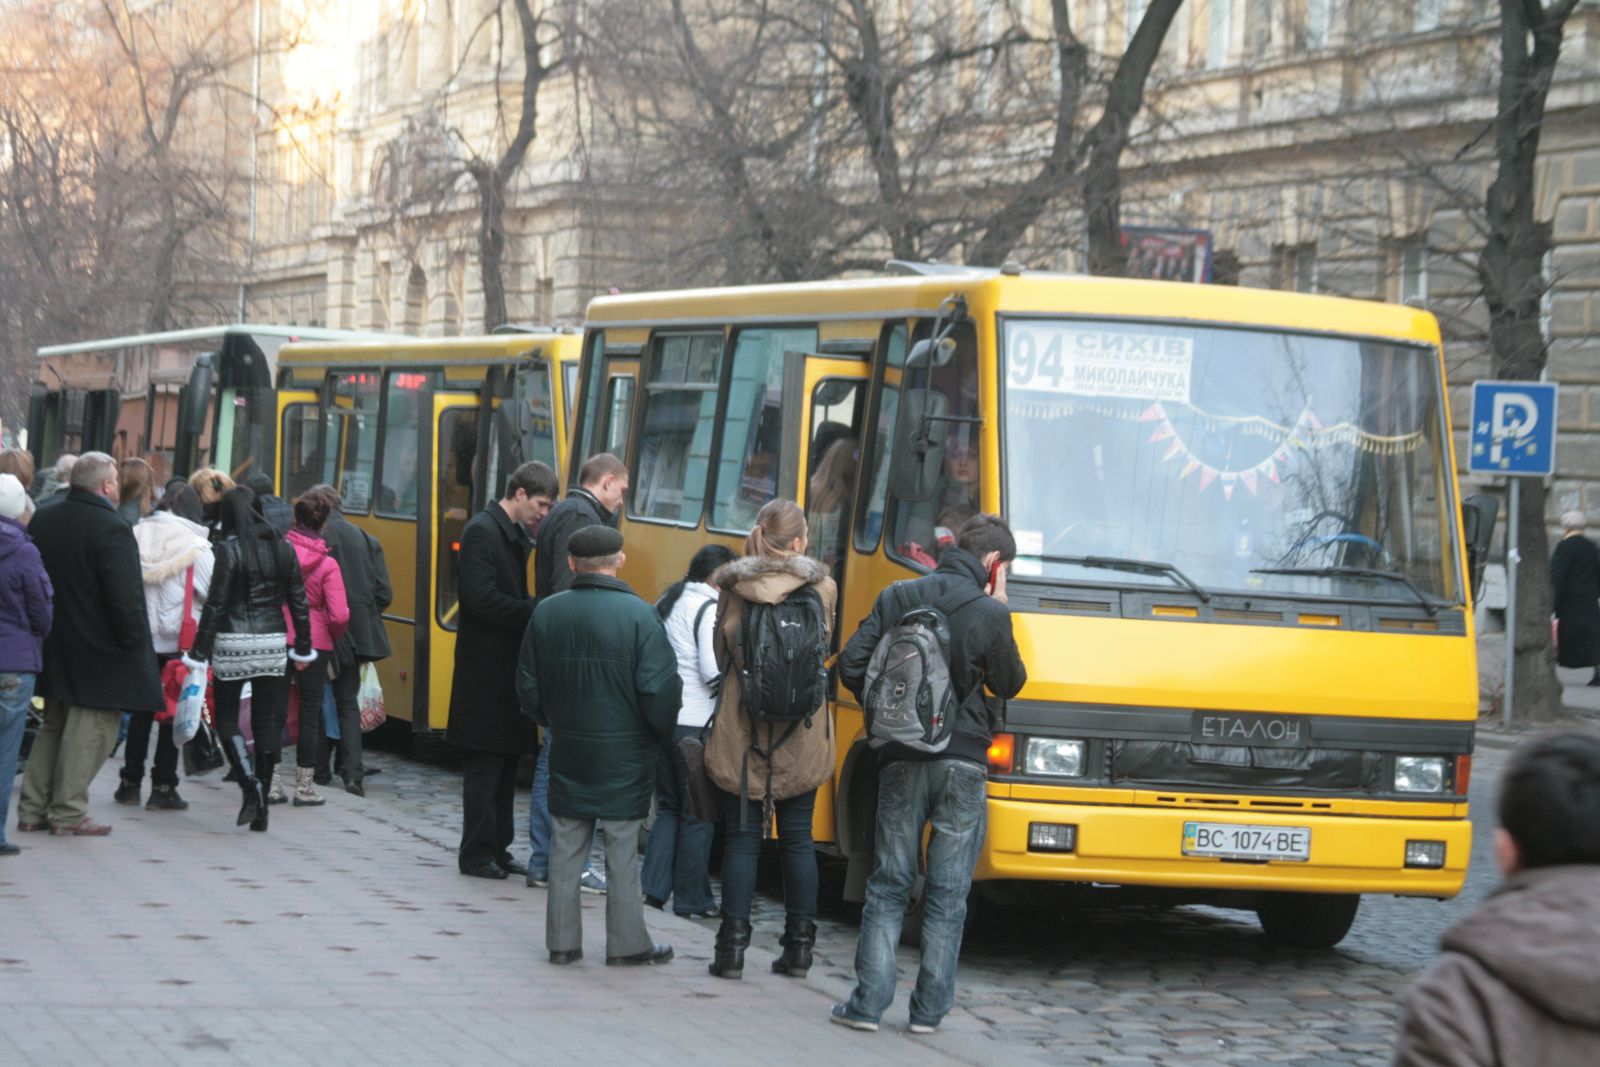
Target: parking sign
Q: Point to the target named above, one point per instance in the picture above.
(1513, 428)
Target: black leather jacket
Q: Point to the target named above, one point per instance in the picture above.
(250, 584)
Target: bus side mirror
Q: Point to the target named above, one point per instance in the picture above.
(1478, 515)
(916, 458)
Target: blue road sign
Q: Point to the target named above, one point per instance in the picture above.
(1513, 428)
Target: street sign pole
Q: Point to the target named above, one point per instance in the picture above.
(1513, 559)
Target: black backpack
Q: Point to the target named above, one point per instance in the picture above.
(783, 670)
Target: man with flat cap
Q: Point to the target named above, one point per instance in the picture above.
(596, 670)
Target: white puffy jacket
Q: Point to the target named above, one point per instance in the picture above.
(168, 545)
(697, 660)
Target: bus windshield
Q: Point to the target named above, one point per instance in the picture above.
(1227, 454)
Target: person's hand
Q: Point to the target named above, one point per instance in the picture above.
(298, 665)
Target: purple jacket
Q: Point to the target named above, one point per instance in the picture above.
(25, 599)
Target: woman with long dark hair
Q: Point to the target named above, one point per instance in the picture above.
(778, 769)
(242, 635)
(677, 859)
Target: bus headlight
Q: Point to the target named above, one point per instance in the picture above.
(1053, 757)
(1419, 774)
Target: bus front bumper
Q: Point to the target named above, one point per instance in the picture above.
(1144, 846)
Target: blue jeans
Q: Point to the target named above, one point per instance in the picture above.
(744, 846)
(677, 859)
(950, 794)
(539, 824)
(16, 693)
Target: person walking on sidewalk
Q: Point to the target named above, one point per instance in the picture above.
(1518, 980)
(369, 593)
(175, 560)
(677, 856)
(98, 659)
(25, 611)
(947, 789)
(330, 617)
(776, 766)
(595, 668)
(243, 636)
(595, 500)
(1575, 581)
(484, 718)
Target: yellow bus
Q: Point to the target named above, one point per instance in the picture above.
(1241, 590)
(417, 436)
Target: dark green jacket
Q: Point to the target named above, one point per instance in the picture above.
(597, 671)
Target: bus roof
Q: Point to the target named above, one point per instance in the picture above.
(1028, 292)
(208, 333)
(498, 346)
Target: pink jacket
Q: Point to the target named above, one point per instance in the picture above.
(330, 611)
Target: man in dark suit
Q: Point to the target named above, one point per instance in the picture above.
(367, 588)
(98, 658)
(485, 718)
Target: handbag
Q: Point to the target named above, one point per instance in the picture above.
(174, 673)
(203, 752)
(699, 794)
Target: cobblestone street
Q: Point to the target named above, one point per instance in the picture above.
(346, 930)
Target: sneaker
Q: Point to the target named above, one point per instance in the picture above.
(538, 879)
(165, 798)
(592, 882)
(845, 1017)
(922, 1028)
(127, 793)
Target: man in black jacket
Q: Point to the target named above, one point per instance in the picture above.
(98, 658)
(595, 501)
(367, 588)
(947, 789)
(485, 717)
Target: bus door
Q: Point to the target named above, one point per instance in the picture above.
(303, 459)
(454, 498)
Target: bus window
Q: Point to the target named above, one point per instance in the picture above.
(569, 387)
(357, 394)
(752, 429)
(594, 370)
(831, 480)
(460, 427)
(619, 414)
(241, 436)
(300, 467)
(534, 385)
(870, 528)
(401, 420)
(680, 407)
(922, 528)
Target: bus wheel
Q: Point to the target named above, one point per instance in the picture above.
(1307, 920)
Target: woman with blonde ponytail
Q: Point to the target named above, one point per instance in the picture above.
(772, 767)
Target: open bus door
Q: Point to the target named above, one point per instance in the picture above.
(457, 494)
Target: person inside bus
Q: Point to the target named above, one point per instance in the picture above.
(959, 485)
(137, 486)
(827, 500)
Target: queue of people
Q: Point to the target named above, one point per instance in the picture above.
(105, 583)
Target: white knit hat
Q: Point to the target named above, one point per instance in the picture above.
(13, 497)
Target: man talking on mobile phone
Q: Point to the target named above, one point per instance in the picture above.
(940, 781)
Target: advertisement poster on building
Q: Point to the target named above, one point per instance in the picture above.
(1173, 255)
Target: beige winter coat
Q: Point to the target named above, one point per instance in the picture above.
(805, 760)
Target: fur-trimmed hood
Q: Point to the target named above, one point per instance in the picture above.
(168, 544)
(768, 579)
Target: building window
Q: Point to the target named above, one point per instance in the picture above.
(680, 408)
(1414, 274)
(1427, 15)
(1319, 24)
(1219, 33)
(1295, 267)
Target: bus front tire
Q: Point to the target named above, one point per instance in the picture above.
(1307, 920)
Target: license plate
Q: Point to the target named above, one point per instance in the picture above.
(1232, 841)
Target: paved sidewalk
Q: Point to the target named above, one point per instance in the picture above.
(345, 934)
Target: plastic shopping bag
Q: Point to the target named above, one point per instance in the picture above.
(191, 705)
(370, 697)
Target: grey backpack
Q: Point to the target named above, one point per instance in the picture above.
(909, 696)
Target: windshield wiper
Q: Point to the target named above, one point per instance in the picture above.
(1355, 572)
(1137, 566)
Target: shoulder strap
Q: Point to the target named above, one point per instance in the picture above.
(186, 628)
(958, 598)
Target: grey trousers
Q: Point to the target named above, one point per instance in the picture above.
(570, 838)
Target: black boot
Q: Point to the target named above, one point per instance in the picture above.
(733, 937)
(264, 768)
(799, 936)
(255, 799)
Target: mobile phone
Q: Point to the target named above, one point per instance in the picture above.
(994, 573)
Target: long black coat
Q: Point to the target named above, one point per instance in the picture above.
(98, 653)
(366, 586)
(495, 607)
(1575, 581)
(597, 669)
